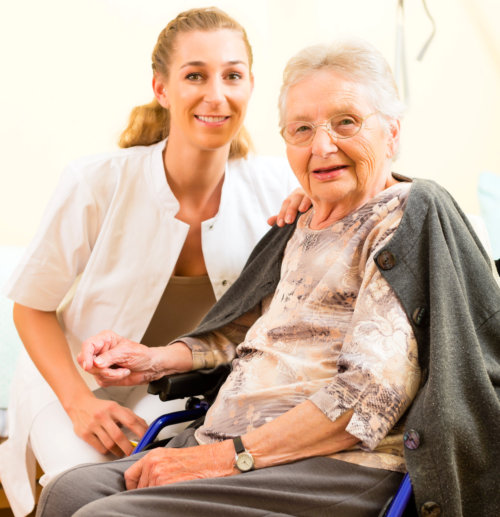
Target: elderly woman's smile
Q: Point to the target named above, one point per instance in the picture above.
(340, 153)
(329, 173)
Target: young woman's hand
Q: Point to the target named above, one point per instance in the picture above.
(101, 423)
(296, 202)
(118, 361)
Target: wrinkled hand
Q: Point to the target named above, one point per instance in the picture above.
(165, 466)
(296, 202)
(118, 361)
(100, 423)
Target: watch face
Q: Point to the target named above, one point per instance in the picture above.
(244, 462)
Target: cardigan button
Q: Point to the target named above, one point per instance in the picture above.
(411, 439)
(430, 509)
(386, 260)
(419, 315)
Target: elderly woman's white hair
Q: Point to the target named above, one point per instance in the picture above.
(359, 61)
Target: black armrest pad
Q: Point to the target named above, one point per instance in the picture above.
(197, 382)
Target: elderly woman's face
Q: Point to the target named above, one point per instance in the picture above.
(339, 173)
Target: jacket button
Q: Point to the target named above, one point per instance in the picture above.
(224, 282)
(430, 509)
(411, 439)
(419, 315)
(386, 260)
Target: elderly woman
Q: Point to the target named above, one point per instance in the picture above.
(364, 339)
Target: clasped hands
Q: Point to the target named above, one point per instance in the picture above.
(117, 361)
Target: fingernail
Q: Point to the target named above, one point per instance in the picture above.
(288, 219)
(98, 360)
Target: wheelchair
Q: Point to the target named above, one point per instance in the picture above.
(200, 388)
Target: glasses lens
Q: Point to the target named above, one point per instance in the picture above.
(298, 133)
(345, 126)
(341, 126)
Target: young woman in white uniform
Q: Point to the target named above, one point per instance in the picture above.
(131, 237)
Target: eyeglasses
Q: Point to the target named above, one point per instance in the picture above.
(345, 125)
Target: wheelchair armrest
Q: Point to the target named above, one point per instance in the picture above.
(197, 382)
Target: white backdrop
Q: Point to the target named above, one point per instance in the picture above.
(71, 70)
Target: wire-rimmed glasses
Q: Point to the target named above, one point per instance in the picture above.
(344, 125)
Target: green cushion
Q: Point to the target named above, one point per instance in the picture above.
(489, 203)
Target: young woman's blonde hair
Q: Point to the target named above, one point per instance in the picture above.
(150, 123)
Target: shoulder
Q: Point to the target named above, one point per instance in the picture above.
(261, 165)
(269, 177)
(118, 159)
(432, 217)
(106, 170)
(427, 193)
(273, 243)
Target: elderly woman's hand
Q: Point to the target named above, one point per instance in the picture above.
(296, 202)
(118, 361)
(165, 466)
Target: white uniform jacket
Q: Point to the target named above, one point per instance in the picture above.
(104, 252)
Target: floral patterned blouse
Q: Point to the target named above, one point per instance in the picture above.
(333, 333)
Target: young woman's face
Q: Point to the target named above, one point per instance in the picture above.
(207, 89)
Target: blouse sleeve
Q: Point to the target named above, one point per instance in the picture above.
(378, 372)
(61, 247)
(219, 347)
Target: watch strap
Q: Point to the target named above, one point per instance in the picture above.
(238, 445)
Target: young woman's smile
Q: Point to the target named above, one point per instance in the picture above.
(212, 120)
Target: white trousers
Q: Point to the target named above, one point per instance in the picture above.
(57, 447)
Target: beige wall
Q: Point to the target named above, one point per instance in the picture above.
(72, 69)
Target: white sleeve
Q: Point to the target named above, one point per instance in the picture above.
(293, 182)
(273, 180)
(61, 247)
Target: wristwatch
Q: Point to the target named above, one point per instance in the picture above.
(244, 460)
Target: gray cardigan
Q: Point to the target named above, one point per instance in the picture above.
(442, 275)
